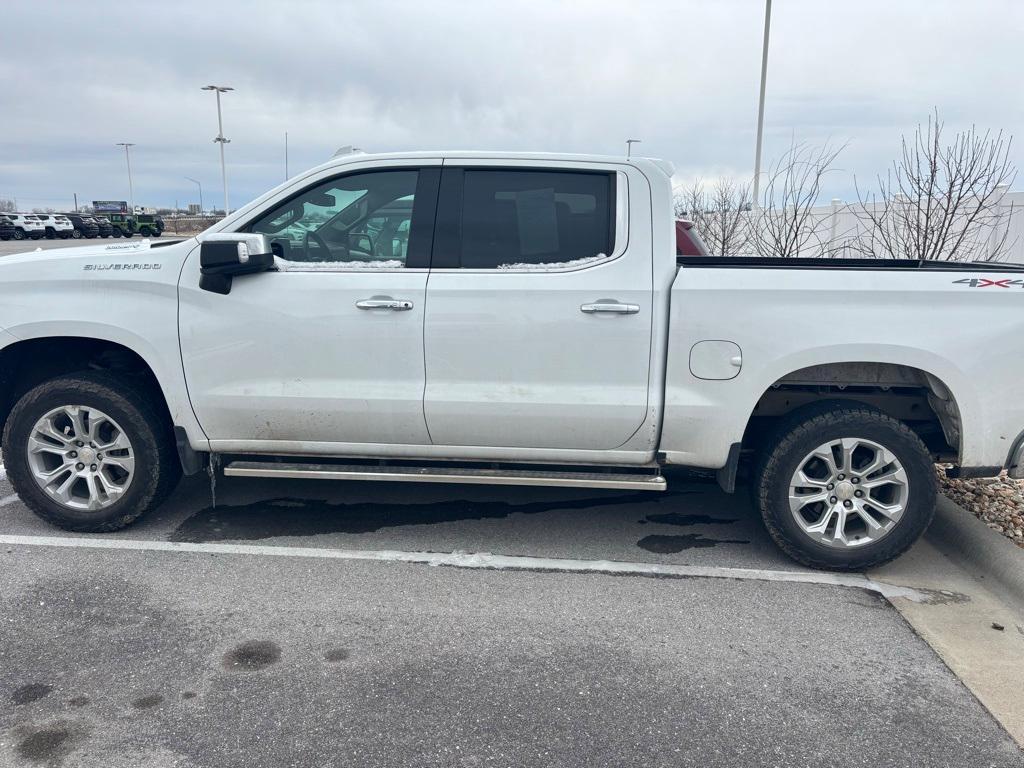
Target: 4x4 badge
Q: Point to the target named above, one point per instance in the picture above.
(984, 282)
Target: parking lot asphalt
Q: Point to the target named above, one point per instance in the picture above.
(194, 658)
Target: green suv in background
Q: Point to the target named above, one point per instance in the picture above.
(123, 224)
(126, 225)
(148, 225)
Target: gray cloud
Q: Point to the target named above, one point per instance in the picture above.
(572, 76)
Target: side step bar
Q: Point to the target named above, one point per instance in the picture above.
(434, 474)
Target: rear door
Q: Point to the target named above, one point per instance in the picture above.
(539, 304)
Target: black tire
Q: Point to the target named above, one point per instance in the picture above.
(797, 437)
(19, 234)
(76, 234)
(157, 468)
(116, 233)
(50, 234)
(158, 232)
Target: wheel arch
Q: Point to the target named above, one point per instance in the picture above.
(913, 395)
(28, 362)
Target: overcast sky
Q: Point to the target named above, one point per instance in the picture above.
(552, 75)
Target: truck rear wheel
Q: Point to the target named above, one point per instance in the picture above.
(845, 488)
(87, 452)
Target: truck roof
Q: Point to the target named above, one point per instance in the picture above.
(664, 166)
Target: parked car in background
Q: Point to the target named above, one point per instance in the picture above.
(56, 225)
(688, 240)
(26, 225)
(85, 226)
(106, 229)
(123, 224)
(6, 228)
(149, 225)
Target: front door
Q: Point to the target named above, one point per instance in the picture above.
(327, 350)
(539, 306)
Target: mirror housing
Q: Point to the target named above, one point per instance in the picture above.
(224, 255)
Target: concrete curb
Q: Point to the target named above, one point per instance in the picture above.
(989, 556)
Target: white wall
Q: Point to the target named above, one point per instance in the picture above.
(839, 224)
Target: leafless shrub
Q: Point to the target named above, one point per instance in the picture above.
(720, 216)
(785, 225)
(941, 201)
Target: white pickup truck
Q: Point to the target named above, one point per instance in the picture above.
(466, 317)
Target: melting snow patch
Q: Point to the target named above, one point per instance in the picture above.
(556, 265)
(333, 266)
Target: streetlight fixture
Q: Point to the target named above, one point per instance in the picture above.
(760, 104)
(128, 159)
(219, 89)
(197, 183)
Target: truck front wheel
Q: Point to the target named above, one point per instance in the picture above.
(87, 452)
(845, 488)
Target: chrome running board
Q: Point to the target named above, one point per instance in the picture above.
(638, 481)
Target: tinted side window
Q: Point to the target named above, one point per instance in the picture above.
(519, 219)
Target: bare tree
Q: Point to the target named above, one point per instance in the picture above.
(941, 201)
(786, 226)
(689, 200)
(720, 216)
(6, 205)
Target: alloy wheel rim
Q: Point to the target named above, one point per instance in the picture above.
(80, 457)
(848, 492)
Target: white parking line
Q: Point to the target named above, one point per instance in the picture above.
(483, 560)
(9, 500)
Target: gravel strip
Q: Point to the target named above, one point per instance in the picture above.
(997, 501)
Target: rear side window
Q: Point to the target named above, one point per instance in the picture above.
(529, 219)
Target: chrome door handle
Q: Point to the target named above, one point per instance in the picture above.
(610, 306)
(399, 305)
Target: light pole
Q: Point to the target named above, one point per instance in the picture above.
(128, 159)
(219, 89)
(760, 104)
(196, 182)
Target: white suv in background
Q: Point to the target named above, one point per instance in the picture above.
(26, 225)
(56, 225)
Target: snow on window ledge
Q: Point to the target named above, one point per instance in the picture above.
(335, 266)
(553, 266)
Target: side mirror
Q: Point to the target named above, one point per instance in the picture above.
(224, 255)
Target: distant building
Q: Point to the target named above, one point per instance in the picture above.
(194, 209)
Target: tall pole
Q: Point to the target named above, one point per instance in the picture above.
(219, 89)
(128, 159)
(197, 183)
(76, 201)
(760, 104)
(286, 155)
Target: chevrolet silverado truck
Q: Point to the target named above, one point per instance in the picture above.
(466, 317)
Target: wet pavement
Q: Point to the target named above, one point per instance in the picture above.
(127, 658)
